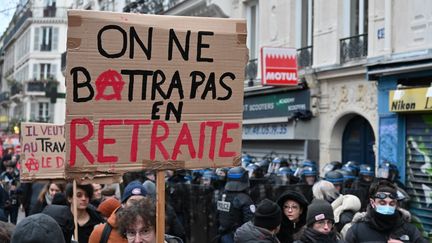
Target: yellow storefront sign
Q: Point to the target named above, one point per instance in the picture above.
(406, 100)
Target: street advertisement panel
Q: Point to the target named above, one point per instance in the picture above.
(279, 66)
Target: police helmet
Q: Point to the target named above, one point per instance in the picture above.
(308, 163)
(388, 171)
(209, 174)
(276, 164)
(246, 159)
(352, 167)
(334, 177)
(331, 166)
(347, 175)
(366, 170)
(285, 171)
(254, 171)
(237, 179)
(263, 164)
(309, 171)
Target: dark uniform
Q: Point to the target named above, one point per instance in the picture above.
(234, 207)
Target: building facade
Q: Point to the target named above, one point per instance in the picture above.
(32, 47)
(400, 64)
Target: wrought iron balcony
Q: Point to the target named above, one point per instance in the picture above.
(35, 86)
(353, 48)
(251, 72)
(305, 57)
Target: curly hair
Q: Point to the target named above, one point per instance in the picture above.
(145, 209)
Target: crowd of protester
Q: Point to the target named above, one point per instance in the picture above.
(271, 200)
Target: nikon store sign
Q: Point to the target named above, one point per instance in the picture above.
(407, 100)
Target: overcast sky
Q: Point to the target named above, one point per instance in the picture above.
(7, 9)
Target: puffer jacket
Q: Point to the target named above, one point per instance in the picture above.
(249, 233)
(373, 227)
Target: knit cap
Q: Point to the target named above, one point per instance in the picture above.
(108, 206)
(268, 215)
(319, 210)
(132, 189)
(37, 228)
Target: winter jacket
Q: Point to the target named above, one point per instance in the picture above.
(249, 233)
(38, 207)
(312, 236)
(374, 227)
(114, 236)
(290, 231)
(344, 208)
(63, 216)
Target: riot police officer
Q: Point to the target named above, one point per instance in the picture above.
(331, 166)
(234, 207)
(336, 178)
(362, 184)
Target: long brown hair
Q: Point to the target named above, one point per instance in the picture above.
(41, 197)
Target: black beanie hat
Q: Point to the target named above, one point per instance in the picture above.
(268, 215)
(319, 210)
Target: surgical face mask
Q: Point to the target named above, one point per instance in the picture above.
(385, 209)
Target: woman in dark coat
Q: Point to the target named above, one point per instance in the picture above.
(294, 208)
(87, 216)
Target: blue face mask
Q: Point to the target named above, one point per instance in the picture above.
(386, 209)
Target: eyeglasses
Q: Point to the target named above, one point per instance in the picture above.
(291, 207)
(324, 222)
(382, 196)
(142, 233)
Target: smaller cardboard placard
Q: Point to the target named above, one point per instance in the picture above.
(42, 151)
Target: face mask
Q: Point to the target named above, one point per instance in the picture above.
(386, 210)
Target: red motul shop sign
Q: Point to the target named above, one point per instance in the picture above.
(278, 66)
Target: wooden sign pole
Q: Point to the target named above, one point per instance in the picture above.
(160, 206)
(75, 210)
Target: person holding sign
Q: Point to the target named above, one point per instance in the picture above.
(87, 216)
(138, 223)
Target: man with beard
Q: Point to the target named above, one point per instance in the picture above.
(383, 222)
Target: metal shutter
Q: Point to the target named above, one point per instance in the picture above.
(419, 169)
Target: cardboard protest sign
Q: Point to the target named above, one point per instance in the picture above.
(43, 151)
(156, 92)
